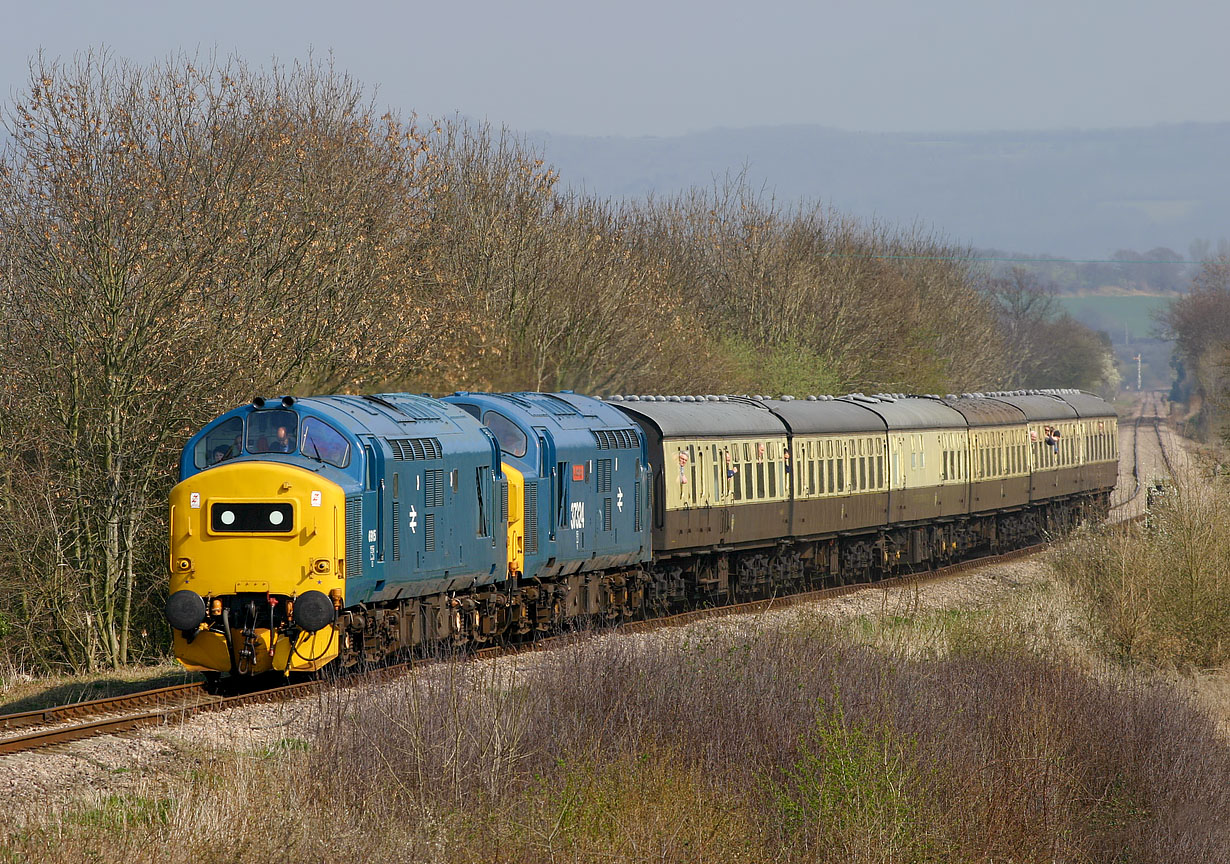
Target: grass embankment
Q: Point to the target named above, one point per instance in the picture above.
(25, 692)
(791, 744)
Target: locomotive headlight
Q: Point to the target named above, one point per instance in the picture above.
(321, 565)
(183, 565)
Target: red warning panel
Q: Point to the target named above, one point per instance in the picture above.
(578, 473)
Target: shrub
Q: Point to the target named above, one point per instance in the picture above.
(1160, 594)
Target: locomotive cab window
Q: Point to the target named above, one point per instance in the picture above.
(512, 440)
(224, 441)
(273, 431)
(324, 443)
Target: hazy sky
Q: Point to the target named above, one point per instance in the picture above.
(640, 67)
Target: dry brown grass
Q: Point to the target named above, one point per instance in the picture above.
(1159, 593)
(738, 745)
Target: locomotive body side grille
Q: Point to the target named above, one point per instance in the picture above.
(354, 536)
(409, 449)
(615, 439)
(396, 531)
(531, 518)
(636, 512)
(433, 488)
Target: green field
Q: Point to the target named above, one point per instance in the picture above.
(1113, 312)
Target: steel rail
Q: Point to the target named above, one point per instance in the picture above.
(95, 707)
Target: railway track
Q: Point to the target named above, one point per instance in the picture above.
(72, 722)
(173, 705)
(1149, 412)
(170, 706)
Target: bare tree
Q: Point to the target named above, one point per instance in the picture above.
(176, 236)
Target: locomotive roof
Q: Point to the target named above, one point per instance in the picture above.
(981, 411)
(910, 412)
(825, 416)
(702, 416)
(563, 410)
(391, 414)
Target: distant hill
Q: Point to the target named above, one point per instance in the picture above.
(1078, 194)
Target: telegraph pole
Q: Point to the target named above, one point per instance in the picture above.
(1137, 373)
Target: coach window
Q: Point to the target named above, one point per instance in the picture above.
(759, 470)
(273, 431)
(745, 472)
(811, 468)
(512, 439)
(692, 470)
(224, 441)
(770, 458)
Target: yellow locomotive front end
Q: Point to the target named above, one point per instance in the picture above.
(257, 568)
